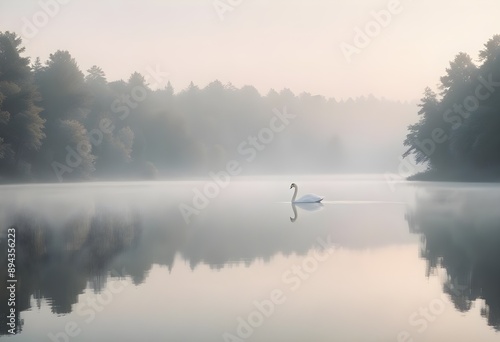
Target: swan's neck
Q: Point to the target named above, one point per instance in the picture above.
(295, 193)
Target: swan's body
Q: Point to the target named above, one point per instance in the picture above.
(309, 198)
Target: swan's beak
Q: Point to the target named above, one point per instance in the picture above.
(291, 186)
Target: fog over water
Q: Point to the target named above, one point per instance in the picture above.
(109, 257)
(249, 170)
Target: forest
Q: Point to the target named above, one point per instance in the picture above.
(457, 136)
(59, 124)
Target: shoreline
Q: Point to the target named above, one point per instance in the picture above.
(463, 176)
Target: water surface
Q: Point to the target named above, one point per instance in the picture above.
(375, 262)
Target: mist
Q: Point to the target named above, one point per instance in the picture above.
(182, 88)
(80, 126)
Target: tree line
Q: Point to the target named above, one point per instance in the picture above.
(457, 135)
(58, 123)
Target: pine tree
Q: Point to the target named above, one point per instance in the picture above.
(67, 152)
(21, 127)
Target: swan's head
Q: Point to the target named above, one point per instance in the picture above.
(293, 185)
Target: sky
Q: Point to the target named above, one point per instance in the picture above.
(336, 48)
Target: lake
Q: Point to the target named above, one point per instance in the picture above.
(187, 261)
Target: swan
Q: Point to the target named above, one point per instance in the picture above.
(309, 198)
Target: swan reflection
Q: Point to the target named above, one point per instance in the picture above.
(305, 206)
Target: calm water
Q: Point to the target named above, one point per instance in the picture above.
(118, 261)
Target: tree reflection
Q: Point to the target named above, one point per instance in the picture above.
(62, 250)
(460, 232)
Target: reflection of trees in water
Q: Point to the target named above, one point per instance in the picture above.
(61, 253)
(460, 232)
(57, 262)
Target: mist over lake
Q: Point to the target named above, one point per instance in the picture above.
(249, 171)
(118, 260)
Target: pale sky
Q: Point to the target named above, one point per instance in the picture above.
(264, 43)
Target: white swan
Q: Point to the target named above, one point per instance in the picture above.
(309, 198)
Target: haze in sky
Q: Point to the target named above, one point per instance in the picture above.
(340, 49)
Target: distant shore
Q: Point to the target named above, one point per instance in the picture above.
(458, 175)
